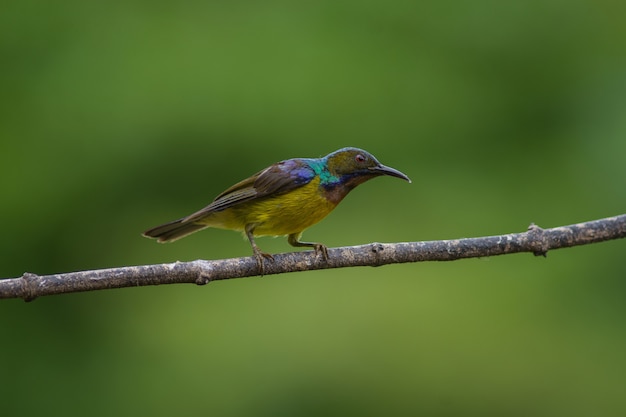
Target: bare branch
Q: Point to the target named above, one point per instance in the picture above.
(536, 240)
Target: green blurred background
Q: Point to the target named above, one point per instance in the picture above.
(117, 116)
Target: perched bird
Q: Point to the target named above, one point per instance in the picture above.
(283, 199)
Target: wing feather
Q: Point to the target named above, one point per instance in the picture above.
(274, 180)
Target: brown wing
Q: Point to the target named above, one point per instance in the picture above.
(277, 179)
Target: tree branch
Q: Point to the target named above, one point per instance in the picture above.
(536, 240)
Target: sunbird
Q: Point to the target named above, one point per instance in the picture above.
(284, 199)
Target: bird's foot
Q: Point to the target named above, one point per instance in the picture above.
(322, 249)
(260, 260)
(294, 240)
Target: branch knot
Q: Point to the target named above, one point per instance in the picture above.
(537, 240)
(29, 286)
(203, 270)
(377, 249)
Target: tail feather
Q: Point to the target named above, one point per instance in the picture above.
(172, 231)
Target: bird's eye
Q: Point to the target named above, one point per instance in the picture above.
(359, 158)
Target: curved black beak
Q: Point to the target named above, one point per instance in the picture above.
(381, 169)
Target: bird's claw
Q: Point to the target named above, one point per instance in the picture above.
(323, 249)
(260, 260)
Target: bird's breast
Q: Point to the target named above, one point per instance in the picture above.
(292, 212)
(283, 214)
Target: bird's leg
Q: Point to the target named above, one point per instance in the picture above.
(258, 253)
(294, 240)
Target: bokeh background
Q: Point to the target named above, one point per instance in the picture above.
(117, 116)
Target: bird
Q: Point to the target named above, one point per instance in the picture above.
(284, 199)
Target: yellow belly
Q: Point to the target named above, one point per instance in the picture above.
(276, 216)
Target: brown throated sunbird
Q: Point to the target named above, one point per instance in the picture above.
(283, 199)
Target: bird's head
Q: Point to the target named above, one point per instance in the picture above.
(349, 167)
(353, 166)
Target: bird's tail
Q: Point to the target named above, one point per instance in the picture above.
(172, 231)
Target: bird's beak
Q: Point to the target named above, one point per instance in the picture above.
(381, 169)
